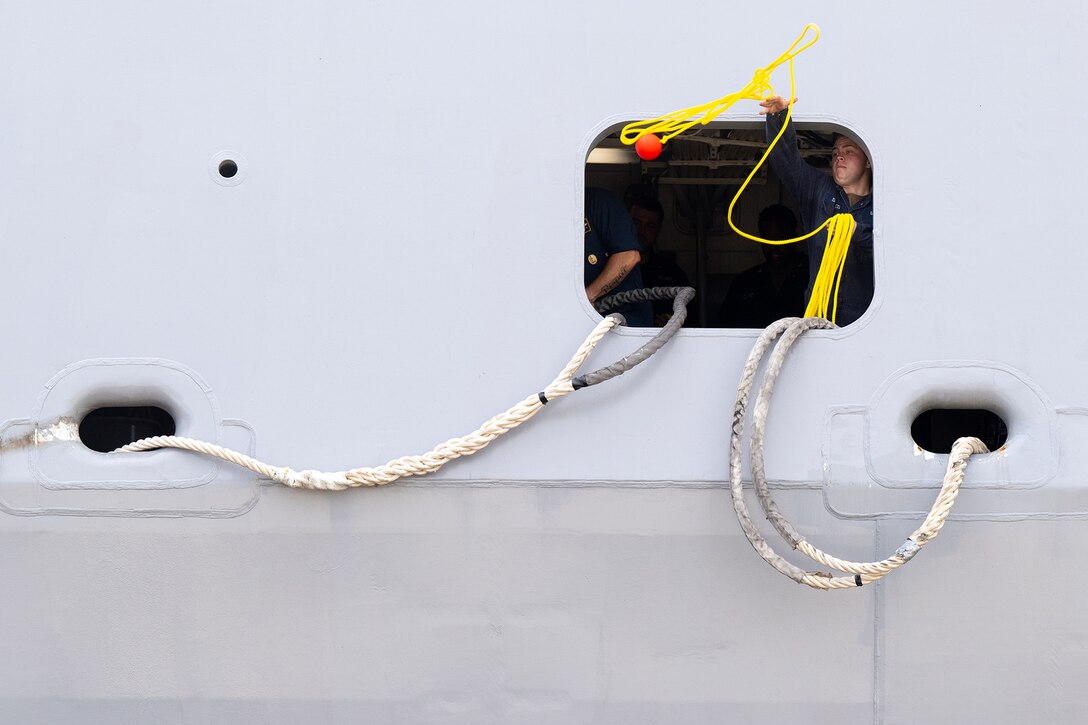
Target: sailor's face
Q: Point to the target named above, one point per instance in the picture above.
(647, 226)
(848, 162)
(778, 255)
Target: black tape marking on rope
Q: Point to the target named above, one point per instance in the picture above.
(857, 579)
(543, 398)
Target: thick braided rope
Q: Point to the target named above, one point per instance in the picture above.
(789, 334)
(736, 487)
(680, 297)
(865, 572)
(407, 465)
(934, 521)
(962, 449)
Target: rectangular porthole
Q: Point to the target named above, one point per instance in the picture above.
(677, 207)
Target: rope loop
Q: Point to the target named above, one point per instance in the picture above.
(824, 300)
(758, 89)
(790, 329)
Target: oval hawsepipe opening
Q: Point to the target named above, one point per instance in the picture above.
(935, 430)
(107, 429)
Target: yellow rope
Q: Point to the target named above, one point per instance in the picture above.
(840, 227)
(758, 89)
(825, 290)
(840, 230)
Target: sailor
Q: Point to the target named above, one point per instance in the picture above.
(849, 189)
(658, 268)
(774, 289)
(612, 255)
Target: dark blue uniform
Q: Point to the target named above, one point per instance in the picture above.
(821, 198)
(609, 229)
(754, 301)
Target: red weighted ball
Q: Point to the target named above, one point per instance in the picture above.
(648, 147)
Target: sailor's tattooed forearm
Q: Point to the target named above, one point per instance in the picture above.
(609, 285)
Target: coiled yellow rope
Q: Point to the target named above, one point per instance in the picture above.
(824, 301)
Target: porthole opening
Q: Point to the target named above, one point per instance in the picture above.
(228, 168)
(107, 429)
(677, 205)
(937, 429)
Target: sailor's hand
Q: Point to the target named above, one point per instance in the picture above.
(775, 104)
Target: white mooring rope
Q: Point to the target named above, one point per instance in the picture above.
(864, 572)
(429, 462)
(564, 384)
(790, 329)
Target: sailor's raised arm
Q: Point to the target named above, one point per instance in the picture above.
(775, 104)
(786, 159)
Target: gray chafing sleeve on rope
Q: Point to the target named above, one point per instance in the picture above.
(680, 297)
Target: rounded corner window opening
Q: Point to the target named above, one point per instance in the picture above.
(671, 215)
